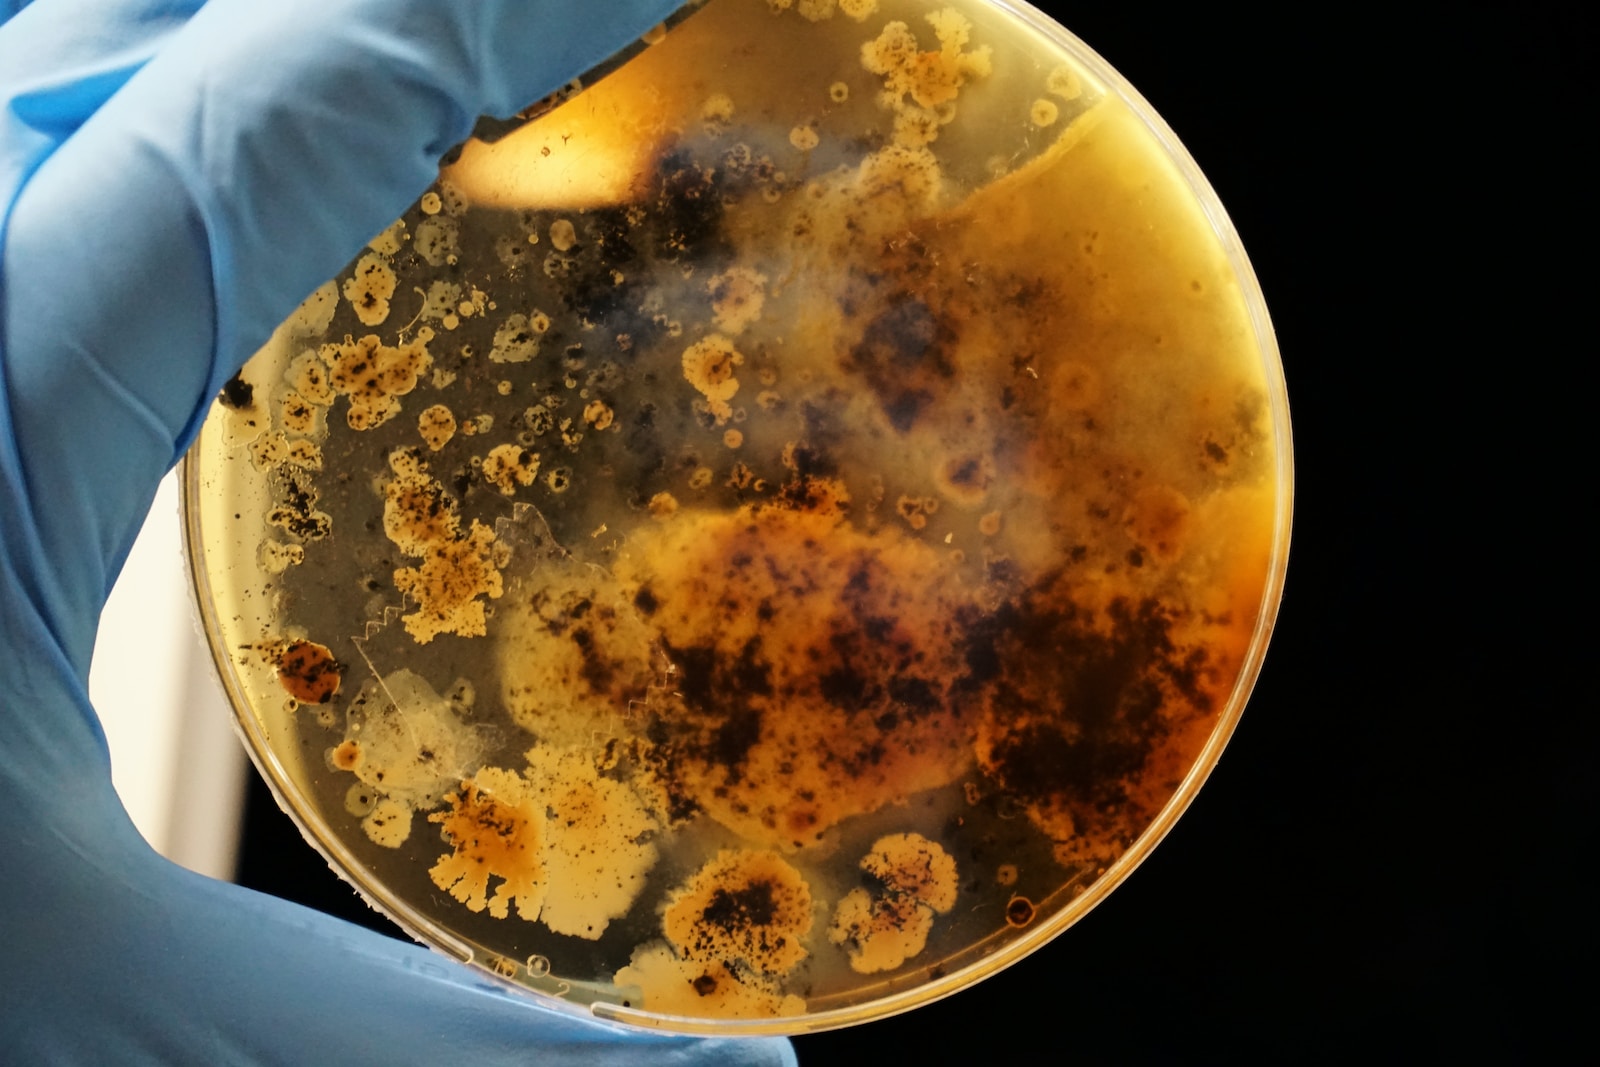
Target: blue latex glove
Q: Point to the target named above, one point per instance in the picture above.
(174, 177)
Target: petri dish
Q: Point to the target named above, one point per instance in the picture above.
(775, 534)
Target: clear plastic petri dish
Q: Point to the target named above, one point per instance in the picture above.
(770, 538)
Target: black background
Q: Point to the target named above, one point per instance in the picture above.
(1383, 863)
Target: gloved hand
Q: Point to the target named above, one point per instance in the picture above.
(174, 177)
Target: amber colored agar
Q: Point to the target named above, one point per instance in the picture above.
(772, 540)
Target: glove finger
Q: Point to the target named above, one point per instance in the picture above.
(64, 59)
(60, 60)
(239, 168)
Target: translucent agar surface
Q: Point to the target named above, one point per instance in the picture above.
(769, 540)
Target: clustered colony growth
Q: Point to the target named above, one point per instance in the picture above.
(889, 508)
